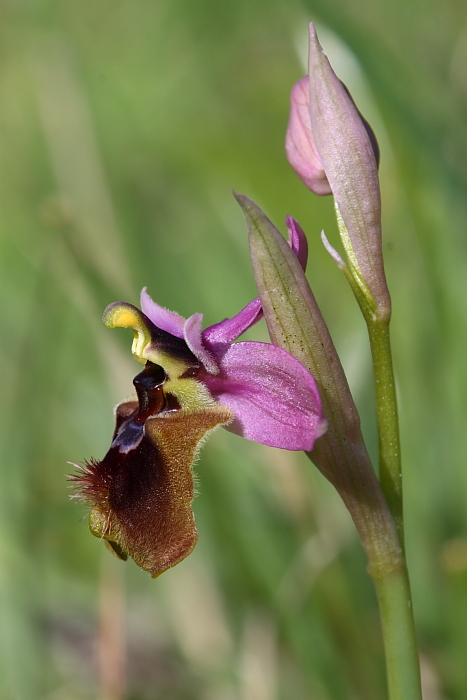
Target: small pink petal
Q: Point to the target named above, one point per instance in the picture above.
(273, 397)
(231, 328)
(297, 240)
(192, 336)
(164, 319)
(300, 144)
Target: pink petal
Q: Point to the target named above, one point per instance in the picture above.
(192, 336)
(162, 318)
(273, 397)
(297, 240)
(231, 328)
(300, 144)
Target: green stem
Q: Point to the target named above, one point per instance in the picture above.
(392, 586)
(390, 470)
(400, 643)
(362, 494)
(393, 589)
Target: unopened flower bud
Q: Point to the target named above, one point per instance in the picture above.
(333, 149)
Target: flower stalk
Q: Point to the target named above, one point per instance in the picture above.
(296, 324)
(398, 629)
(390, 469)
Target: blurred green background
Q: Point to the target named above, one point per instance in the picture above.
(124, 127)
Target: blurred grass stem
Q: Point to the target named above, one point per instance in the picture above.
(111, 637)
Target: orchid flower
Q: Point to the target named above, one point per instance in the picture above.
(193, 381)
